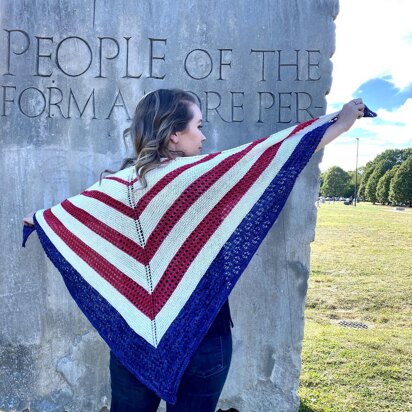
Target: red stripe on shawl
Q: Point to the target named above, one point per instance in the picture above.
(198, 238)
(189, 196)
(126, 286)
(127, 183)
(109, 201)
(122, 181)
(116, 238)
(301, 126)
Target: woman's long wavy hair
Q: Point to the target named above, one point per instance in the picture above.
(158, 115)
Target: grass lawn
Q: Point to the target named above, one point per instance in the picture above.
(361, 270)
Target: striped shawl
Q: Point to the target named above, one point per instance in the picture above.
(151, 267)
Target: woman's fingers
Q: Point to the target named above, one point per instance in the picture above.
(359, 106)
(28, 220)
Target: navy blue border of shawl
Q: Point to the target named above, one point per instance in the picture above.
(161, 369)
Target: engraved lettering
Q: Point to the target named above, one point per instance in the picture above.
(77, 42)
(198, 59)
(38, 56)
(6, 99)
(153, 58)
(263, 78)
(119, 96)
(216, 106)
(101, 42)
(237, 106)
(71, 97)
(128, 75)
(306, 97)
(287, 106)
(266, 106)
(222, 63)
(57, 103)
(295, 65)
(310, 65)
(120, 58)
(34, 102)
(17, 53)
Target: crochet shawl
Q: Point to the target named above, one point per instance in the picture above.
(151, 267)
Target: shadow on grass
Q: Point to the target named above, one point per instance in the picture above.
(304, 408)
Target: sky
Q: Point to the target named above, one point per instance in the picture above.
(373, 60)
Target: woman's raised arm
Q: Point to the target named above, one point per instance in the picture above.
(350, 112)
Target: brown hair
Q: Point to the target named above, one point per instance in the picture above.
(158, 115)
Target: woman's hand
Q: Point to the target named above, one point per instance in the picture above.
(28, 220)
(350, 112)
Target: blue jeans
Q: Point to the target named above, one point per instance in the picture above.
(199, 389)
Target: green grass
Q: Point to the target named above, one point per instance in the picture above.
(361, 270)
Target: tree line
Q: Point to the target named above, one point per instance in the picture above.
(387, 179)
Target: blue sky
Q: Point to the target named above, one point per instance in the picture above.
(373, 60)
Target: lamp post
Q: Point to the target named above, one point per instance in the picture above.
(356, 171)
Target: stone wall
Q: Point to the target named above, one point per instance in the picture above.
(71, 74)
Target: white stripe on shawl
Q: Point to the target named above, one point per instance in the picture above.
(121, 260)
(114, 219)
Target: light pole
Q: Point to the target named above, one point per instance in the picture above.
(356, 171)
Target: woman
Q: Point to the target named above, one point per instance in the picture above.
(168, 262)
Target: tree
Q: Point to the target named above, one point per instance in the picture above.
(382, 188)
(368, 169)
(400, 190)
(393, 156)
(351, 186)
(335, 182)
(322, 179)
(379, 170)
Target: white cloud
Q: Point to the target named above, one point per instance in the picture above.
(396, 129)
(391, 130)
(373, 39)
